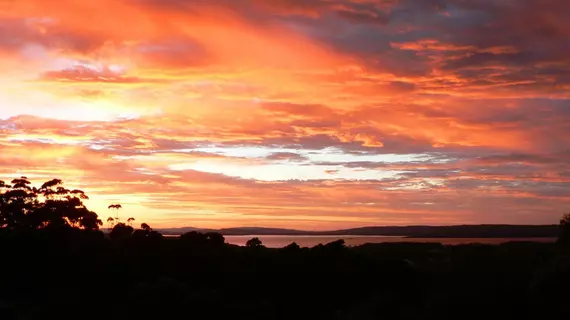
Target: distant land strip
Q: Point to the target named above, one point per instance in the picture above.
(458, 231)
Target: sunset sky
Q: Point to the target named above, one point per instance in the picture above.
(309, 114)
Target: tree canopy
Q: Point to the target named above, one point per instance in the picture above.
(51, 205)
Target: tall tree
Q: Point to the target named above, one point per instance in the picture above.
(116, 208)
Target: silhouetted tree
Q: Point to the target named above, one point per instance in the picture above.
(196, 239)
(20, 207)
(90, 221)
(18, 200)
(146, 234)
(111, 222)
(115, 208)
(121, 232)
(193, 239)
(215, 239)
(254, 243)
(65, 207)
(336, 245)
(564, 232)
(292, 247)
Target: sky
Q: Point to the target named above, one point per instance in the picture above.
(308, 114)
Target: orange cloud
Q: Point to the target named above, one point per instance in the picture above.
(291, 113)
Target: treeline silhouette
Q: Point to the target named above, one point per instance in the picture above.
(57, 264)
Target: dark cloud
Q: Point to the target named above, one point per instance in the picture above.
(526, 158)
(364, 15)
(521, 37)
(352, 11)
(18, 33)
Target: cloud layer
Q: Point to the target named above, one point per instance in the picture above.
(310, 114)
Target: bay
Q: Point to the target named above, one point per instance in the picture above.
(279, 241)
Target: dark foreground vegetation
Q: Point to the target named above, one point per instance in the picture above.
(56, 264)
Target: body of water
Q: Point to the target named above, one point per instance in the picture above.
(311, 241)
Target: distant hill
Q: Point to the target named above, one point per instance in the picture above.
(459, 231)
(243, 231)
(179, 231)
